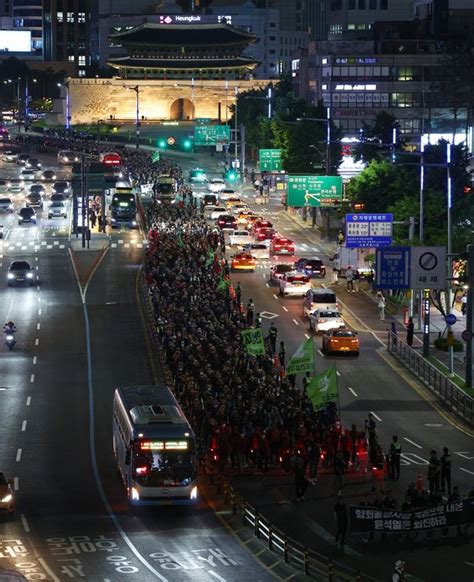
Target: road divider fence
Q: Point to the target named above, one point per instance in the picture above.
(447, 392)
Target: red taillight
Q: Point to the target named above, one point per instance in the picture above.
(142, 470)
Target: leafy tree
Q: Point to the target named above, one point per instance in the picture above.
(373, 136)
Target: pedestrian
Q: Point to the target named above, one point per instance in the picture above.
(250, 312)
(342, 520)
(339, 470)
(238, 294)
(370, 426)
(340, 237)
(356, 281)
(393, 333)
(445, 462)
(381, 305)
(410, 331)
(272, 335)
(394, 458)
(92, 217)
(464, 304)
(399, 572)
(350, 279)
(258, 321)
(282, 355)
(370, 280)
(433, 473)
(301, 483)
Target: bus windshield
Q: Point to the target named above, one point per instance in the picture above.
(164, 463)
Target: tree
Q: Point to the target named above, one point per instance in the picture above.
(375, 139)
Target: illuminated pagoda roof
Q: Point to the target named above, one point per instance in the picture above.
(157, 50)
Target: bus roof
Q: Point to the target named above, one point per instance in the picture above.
(152, 406)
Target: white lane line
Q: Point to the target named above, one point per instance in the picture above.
(216, 576)
(374, 415)
(276, 296)
(307, 336)
(37, 287)
(267, 285)
(35, 359)
(264, 275)
(469, 564)
(39, 311)
(23, 426)
(37, 342)
(353, 392)
(26, 527)
(38, 326)
(338, 373)
(283, 307)
(321, 353)
(48, 570)
(16, 484)
(466, 470)
(37, 268)
(32, 378)
(433, 424)
(296, 322)
(412, 443)
(18, 455)
(28, 401)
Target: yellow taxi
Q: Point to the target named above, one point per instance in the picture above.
(232, 201)
(243, 262)
(343, 341)
(243, 216)
(252, 219)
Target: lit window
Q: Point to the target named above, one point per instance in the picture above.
(324, 61)
(81, 17)
(335, 29)
(71, 58)
(405, 74)
(81, 73)
(351, 27)
(59, 16)
(70, 16)
(82, 60)
(325, 87)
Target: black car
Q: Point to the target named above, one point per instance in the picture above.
(33, 163)
(311, 267)
(26, 215)
(37, 189)
(20, 273)
(61, 187)
(48, 176)
(34, 199)
(57, 197)
(226, 222)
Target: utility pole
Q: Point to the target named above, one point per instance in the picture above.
(450, 253)
(470, 316)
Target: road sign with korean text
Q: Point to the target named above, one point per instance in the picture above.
(314, 190)
(428, 268)
(270, 160)
(392, 268)
(211, 134)
(368, 230)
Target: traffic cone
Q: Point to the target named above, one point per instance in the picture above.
(420, 486)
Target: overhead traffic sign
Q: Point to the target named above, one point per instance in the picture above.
(392, 268)
(314, 190)
(369, 230)
(428, 268)
(211, 134)
(270, 160)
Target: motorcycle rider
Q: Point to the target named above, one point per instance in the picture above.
(9, 327)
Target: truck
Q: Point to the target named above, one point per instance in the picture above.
(361, 260)
(123, 209)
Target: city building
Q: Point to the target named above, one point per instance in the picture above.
(28, 15)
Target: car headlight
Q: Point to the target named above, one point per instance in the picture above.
(29, 275)
(66, 159)
(113, 220)
(194, 493)
(10, 276)
(135, 494)
(134, 223)
(7, 498)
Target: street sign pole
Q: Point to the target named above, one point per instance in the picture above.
(470, 315)
(426, 323)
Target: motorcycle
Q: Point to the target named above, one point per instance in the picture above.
(10, 341)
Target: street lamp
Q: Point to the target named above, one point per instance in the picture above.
(327, 121)
(68, 104)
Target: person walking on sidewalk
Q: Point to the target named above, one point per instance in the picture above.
(238, 294)
(250, 313)
(350, 279)
(342, 520)
(356, 281)
(282, 355)
(381, 305)
(464, 304)
(410, 331)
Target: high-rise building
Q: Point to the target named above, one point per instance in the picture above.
(28, 15)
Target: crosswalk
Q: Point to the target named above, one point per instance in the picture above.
(126, 244)
(32, 245)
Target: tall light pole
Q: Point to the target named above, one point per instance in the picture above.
(137, 113)
(450, 252)
(327, 121)
(68, 104)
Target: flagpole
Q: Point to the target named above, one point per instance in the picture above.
(338, 399)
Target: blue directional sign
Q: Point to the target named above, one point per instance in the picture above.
(450, 319)
(368, 230)
(392, 268)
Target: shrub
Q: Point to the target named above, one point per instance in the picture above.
(441, 343)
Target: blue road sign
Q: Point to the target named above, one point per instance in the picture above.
(368, 230)
(392, 268)
(450, 319)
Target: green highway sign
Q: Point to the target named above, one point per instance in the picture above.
(270, 160)
(314, 190)
(211, 134)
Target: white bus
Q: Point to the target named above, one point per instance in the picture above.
(154, 446)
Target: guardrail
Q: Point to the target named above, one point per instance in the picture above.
(450, 395)
(308, 561)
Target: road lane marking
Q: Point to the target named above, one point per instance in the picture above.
(23, 426)
(307, 336)
(37, 342)
(28, 401)
(263, 275)
(276, 296)
(377, 417)
(295, 321)
(216, 576)
(466, 470)
(35, 359)
(39, 311)
(321, 353)
(469, 564)
(32, 378)
(338, 373)
(38, 326)
(37, 287)
(283, 307)
(464, 455)
(352, 391)
(18, 455)
(26, 527)
(433, 424)
(412, 443)
(16, 484)
(267, 285)
(48, 570)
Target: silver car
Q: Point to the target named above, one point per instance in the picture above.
(57, 210)
(6, 205)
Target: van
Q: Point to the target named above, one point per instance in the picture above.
(324, 299)
(210, 200)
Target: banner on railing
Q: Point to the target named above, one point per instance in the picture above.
(373, 519)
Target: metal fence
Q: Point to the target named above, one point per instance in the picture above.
(311, 563)
(451, 396)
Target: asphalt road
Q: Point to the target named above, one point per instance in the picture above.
(72, 520)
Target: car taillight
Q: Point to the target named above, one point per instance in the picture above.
(320, 320)
(353, 341)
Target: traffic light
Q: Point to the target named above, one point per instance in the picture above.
(468, 189)
(359, 206)
(162, 143)
(187, 144)
(231, 175)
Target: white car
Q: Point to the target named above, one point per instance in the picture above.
(240, 238)
(217, 212)
(239, 207)
(294, 283)
(216, 185)
(227, 193)
(6, 205)
(28, 174)
(257, 250)
(57, 210)
(325, 320)
(9, 156)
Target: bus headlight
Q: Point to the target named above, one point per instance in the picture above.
(194, 493)
(135, 494)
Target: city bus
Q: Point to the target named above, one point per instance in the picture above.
(154, 446)
(123, 209)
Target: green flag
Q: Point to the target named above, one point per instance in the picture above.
(253, 341)
(223, 284)
(302, 360)
(180, 241)
(210, 258)
(323, 388)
